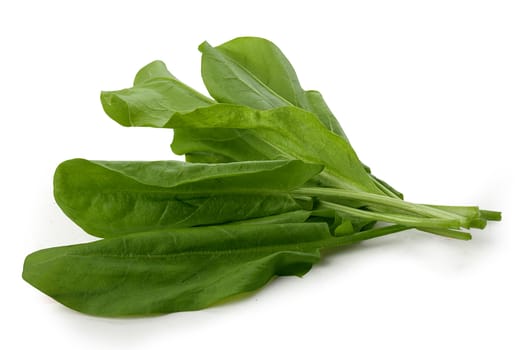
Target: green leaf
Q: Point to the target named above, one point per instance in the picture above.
(156, 94)
(186, 269)
(179, 270)
(291, 132)
(115, 198)
(253, 72)
(226, 144)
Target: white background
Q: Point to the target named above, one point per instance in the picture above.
(435, 96)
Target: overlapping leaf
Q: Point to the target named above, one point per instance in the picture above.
(178, 270)
(114, 198)
(253, 72)
(285, 184)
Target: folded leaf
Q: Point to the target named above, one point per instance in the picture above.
(156, 94)
(114, 198)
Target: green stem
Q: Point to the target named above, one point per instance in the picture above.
(466, 211)
(490, 215)
(411, 221)
(445, 232)
(369, 198)
(362, 236)
(386, 230)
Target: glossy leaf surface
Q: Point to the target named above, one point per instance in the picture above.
(291, 132)
(253, 72)
(114, 198)
(184, 269)
(156, 94)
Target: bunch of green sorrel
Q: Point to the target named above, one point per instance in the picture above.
(270, 180)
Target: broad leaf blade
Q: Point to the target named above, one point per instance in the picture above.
(291, 132)
(229, 82)
(228, 144)
(254, 72)
(155, 96)
(115, 198)
(254, 66)
(186, 269)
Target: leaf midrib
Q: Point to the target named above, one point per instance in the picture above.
(270, 249)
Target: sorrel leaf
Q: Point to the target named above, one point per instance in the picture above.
(114, 198)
